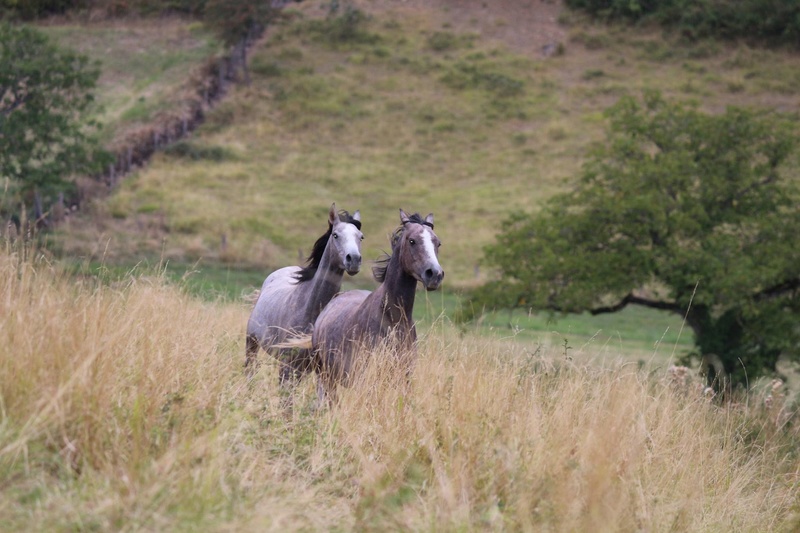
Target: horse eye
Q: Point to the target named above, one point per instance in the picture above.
(335, 235)
(362, 237)
(412, 241)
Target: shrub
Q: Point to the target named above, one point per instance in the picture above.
(775, 21)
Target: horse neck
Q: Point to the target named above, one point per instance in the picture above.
(326, 282)
(399, 290)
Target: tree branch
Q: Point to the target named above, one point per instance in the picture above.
(19, 100)
(778, 290)
(630, 298)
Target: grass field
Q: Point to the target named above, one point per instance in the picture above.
(123, 404)
(125, 408)
(145, 65)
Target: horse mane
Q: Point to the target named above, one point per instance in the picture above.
(382, 264)
(312, 263)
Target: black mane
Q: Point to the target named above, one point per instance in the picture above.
(313, 261)
(382, 264)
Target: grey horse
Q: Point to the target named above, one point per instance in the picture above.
(291, 298)
(357, 319)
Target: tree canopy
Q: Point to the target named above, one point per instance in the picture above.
(678, 210)
(45, 93)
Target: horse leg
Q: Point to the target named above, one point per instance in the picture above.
(251, 355)
(326, 391)
(289, 375)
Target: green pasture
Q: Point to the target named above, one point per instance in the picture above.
(636, 334)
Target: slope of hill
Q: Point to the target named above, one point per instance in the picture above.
(423, 108)
(466, 111)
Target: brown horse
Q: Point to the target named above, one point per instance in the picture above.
(292, 297)
(357, 319)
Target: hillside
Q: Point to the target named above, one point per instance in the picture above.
(431, 109)
(454, 108)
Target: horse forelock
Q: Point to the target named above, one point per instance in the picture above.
(416, 218)
(315, 258)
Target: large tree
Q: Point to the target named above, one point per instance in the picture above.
(678, 210)
(45, 93)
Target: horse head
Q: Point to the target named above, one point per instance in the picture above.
(418, 250)
(346, 237)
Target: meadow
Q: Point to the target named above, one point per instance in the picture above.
(123, 402)
(125, 408)
(146, 65)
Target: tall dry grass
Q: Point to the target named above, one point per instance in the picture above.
(124, 407)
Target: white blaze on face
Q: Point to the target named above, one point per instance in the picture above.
(349, 239)
(430, 249)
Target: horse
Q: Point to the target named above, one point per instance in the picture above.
(359, 319)
(291, 298)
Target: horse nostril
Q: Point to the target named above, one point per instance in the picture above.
(348, 259)
(429, 273)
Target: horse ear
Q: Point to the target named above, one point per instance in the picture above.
(357, 215)
(333, 216)
(429, 219)
(403, 217)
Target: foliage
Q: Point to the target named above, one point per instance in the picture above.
(30, 9)
(236, 20)
(44, 94)
(343, 24)
(33, 9)
(678, 210)
(769, 20)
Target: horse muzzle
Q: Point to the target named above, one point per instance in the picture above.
(432, 278)
(352, 264)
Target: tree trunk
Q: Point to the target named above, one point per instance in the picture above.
(39, 216)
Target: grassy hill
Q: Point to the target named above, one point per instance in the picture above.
(146, 65)
(421, 107)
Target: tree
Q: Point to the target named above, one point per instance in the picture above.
(678, 210)
(237, 21)
(44, 96)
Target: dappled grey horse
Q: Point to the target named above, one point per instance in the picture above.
(360, 319)
(291, 298)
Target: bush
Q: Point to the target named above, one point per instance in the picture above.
(343, 25)
(775, 21)
(33, 9)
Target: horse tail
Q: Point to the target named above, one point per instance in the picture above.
(298, 342)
